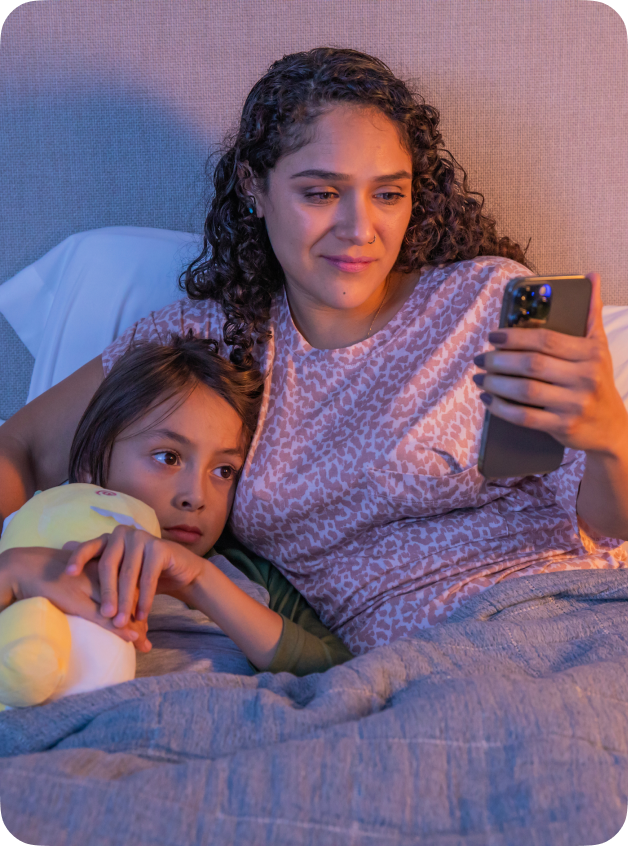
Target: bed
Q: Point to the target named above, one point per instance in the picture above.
(509, 723)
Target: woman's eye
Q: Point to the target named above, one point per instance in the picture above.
(171, 459)
(391, 196)
(321, 196)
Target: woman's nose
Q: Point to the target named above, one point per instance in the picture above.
(354, 221)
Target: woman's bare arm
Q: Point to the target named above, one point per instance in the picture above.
(35, 442)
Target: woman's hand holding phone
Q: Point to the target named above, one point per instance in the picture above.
(556, 383)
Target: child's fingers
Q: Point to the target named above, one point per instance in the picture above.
(129, 577)
(108, 568)
(71, 599)
(84, 552)
(142, 643)
(153, 566)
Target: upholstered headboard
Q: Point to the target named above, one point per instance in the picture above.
(108, 111)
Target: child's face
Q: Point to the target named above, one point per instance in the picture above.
(184, 465)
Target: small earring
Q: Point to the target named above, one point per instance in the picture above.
(373, 241)
(251, 208)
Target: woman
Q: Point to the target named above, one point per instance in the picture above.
(343, 252)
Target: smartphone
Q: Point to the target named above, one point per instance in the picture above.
(560, 303)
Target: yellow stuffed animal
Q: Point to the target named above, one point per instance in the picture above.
(44, 653)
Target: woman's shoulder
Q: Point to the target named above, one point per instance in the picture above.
(204, 318)
(460, 285)
(479, 271)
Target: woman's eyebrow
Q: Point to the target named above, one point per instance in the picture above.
(331, 176)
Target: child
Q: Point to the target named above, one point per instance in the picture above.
(170, 426)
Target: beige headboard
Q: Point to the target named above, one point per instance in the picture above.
(108, 110)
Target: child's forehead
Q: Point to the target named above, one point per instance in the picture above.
(197, 416)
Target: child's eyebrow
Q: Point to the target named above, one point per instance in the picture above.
(166, 433)
(176, 436)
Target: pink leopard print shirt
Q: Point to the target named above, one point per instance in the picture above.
(362, 484)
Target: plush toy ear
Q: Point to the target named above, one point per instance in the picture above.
(35, 645)
(30, 671)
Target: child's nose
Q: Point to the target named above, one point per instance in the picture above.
(190, 499)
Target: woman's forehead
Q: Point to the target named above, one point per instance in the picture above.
(344, 138)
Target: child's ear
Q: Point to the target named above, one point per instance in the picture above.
(85, 478)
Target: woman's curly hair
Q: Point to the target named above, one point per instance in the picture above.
(237, 266)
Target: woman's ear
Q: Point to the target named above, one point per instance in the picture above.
(249, 189)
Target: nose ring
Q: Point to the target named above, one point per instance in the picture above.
(373, 241)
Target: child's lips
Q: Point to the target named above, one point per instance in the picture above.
(184, 534)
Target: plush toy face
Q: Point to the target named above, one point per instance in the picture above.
(45, 654)
(75, 512)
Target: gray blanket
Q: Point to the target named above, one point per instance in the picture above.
(506, 725)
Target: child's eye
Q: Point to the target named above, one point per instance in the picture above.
(171, 459)
(225, 472)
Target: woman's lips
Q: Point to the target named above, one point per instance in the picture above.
(349, 265)
(184, 534)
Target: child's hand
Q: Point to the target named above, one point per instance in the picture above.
(132, 560)
(38, 571)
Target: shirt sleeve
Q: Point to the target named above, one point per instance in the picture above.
(204, 318)
(306, 645)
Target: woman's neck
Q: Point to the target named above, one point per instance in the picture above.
(326, 328)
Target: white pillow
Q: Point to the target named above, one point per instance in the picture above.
(76, 299)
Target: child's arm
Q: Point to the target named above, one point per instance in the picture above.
(287, 637)
(131, 559)
(253, 627)
(27, 572)
(306, 645)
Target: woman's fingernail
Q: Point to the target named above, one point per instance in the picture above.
(479, 360)
(71, 568)
(478, 378)
(487, 399)
(497, 337)
(119, 620)
(106, 610)
(133, 635)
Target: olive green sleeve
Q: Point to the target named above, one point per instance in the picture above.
(306, 645)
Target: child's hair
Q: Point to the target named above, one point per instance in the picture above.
(150, 374)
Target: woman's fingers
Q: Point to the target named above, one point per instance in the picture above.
(543, 341)
(534, 365)
(534, 393)
(523, 415)
(595, 322)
